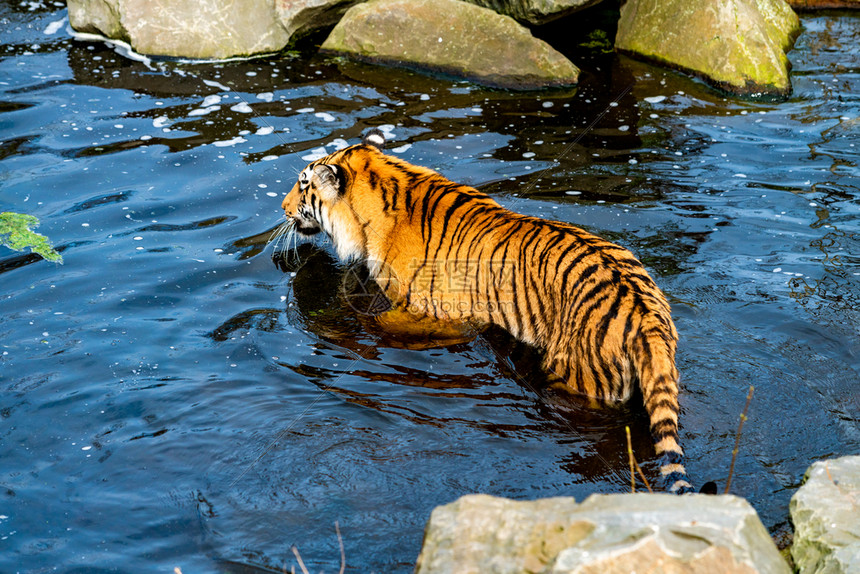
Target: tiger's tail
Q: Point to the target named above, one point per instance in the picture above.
(658, 380)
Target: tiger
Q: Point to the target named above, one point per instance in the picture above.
(447, 252)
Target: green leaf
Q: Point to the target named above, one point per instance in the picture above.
(16, 233)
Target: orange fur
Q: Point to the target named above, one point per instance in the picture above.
(450, 252)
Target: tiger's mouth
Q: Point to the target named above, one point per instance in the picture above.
(308, 231)
(306, 227)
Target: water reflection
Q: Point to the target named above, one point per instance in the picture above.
(839, 282)
(319, 302)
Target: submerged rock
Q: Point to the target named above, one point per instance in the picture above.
(203, 29)
(735, 45)
(605, 534)
(826, 516)
(453, 37)
(535, 11)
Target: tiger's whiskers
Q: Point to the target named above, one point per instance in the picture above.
(285, 232)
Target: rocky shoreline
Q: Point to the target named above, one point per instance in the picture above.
(738, 46)
(622, 533)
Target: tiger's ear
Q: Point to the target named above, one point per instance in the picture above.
(331, 181)
(374, 138)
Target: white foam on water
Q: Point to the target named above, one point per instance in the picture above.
(242, 108)
(211, 101)
(214, 84)
(120, 47)
(228, 143)
(204, 111)
(315, 154)
(54, 27)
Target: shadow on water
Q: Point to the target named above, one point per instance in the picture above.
(322, 301)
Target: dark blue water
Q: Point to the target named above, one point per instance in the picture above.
(170, 398)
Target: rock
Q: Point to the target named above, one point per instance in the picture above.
(97, 17)
(301, 17)
(735, 45)
(184, 28)
(452, 37)
(535, 11)
(606, 534)
(826, 516)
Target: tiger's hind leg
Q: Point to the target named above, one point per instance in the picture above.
(652, 365)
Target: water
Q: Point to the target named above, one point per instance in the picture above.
(171, 398)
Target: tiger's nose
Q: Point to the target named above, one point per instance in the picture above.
(290, 202)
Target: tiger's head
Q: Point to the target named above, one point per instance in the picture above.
(333, 195)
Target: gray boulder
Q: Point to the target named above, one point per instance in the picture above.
(606, 534)
(826, 516)
(205, 29)
(535, 11)
(735, 45)
(181, 28)
(452, 37)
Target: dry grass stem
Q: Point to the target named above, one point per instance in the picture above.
(738, 440)
(642, 475)
(340, 543)
(634, 466)
(299, 559)
(302, 564)
(630, 458)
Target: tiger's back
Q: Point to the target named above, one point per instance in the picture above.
(450, 252)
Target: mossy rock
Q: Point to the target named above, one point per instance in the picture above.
(735, 45)
(451, 37)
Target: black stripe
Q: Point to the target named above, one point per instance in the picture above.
(395, 191)
(674, 477)
(584, 275)
(589, 295)
(528, 279)
(672, 457)
(488, 228)
(611, 314)
(425, 221)
(544, 259)
(458, 202)
(665, 403)
(503, 242)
